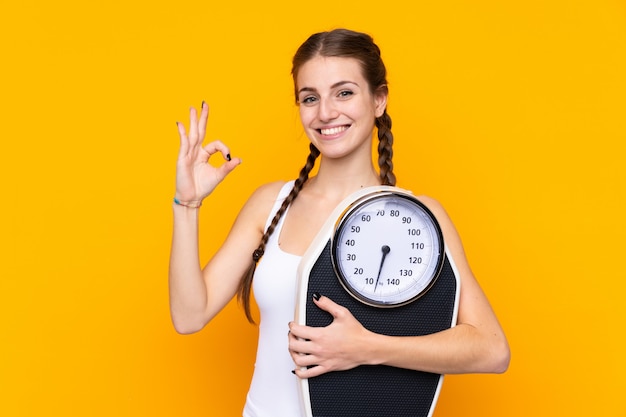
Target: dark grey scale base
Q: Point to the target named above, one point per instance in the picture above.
(377, 391)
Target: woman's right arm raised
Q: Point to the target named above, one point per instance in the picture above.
(197, 295)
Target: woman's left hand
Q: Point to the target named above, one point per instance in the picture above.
(339, 346)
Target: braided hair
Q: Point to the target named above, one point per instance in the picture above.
(245, 286)
(337, 43)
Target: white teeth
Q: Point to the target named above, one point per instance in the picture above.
(333, 130)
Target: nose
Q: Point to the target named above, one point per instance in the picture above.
(327, 110)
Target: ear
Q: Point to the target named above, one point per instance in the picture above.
(380, 100)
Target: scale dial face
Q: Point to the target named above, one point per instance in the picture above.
(387, 249)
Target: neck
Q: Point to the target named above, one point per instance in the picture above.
(337, 179)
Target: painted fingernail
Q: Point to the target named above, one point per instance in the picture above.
(228, 157)
(293, 371)
(203, 103)
(316, 296)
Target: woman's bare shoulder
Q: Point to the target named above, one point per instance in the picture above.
(434, 206)
(262, 200)
(266, 193)
(447, 226)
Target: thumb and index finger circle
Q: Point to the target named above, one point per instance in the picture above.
(218, 146)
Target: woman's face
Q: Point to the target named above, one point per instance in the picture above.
(337, 108)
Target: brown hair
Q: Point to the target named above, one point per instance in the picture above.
(337, 43)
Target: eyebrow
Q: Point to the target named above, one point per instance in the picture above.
(337, 84)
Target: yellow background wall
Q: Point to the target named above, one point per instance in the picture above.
(511, 113)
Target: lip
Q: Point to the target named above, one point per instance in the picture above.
(332, 131)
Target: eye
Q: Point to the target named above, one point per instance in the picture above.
(308, 100)
(345, 93)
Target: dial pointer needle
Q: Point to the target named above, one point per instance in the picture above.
(385, 249)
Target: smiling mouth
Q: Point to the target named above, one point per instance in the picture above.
(333, 130)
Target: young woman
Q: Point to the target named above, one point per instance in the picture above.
(341, 90)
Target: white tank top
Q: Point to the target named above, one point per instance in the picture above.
(274, 391)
